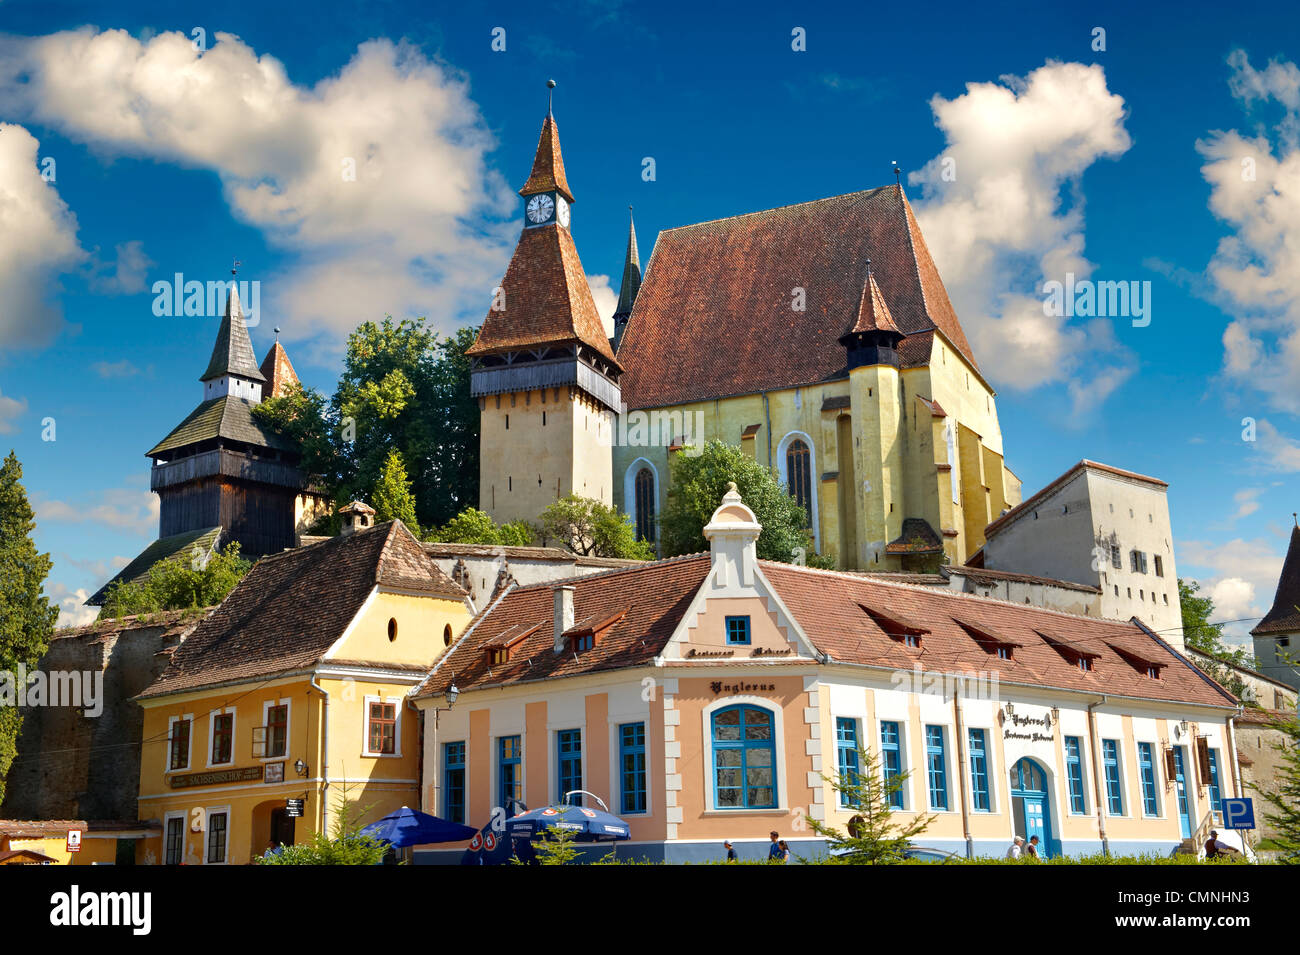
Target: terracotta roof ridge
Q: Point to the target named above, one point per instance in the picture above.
(943, 591)
(760, 212)
(638, 568)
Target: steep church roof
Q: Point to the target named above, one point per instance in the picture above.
(873, 314)
(544, 298)
(714, 315)
(1284, 616)
(224, 417)
(233, 352)
(548, 165)
(278, 372)
(631, 283)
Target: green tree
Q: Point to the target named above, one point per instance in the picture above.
(873, 836)
(26, 616)
(558, 848)
(345, 845)
(392, 495)
(592, 529)
(403, 388)
(1283, 799)
(1207, 637)
(184, 582)
(472, 526)
(696, 487)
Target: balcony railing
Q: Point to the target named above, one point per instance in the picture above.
(224, 463)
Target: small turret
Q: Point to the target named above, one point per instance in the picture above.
(873, 337)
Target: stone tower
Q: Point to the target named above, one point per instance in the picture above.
(874, 448)
(542, 368)
(1277, 636)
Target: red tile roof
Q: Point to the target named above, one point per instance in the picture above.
(873, 314)
(849, 617)
(1284, 615)
(548, 165)
(547, 299)
(654, 596)
(1031, 502)
(292, 607)
(278, 372)
(714, 317)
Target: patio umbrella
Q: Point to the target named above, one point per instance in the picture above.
(407, 827)
(587, 825)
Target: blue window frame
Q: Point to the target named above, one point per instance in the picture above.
(453, 782)
(1074, 773)
(509, 758)
(1110, 762)
(1216, 794)
(979, 771)
(569, 763)
(846, 748)
(744, 758)
(891, 753)
(737, 631)
(1147, 770)
(631, 766)
(936, 767)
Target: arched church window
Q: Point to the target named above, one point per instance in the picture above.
(798, 467)
(645, 505)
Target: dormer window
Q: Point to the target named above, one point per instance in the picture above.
(1004, 652)
(896, 628)
(991, 643)
(584, 642)
(498, 648)
(1085, 664)
(1076, 655)
(1138, 662)
(1153, 672)
(589, 631)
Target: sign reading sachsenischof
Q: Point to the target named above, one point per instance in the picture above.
(217, 777)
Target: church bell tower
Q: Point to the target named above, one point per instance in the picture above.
(542, 368)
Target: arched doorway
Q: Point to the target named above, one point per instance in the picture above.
(1031, 807)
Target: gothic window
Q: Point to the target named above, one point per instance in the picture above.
(798, 467)
(645, 505)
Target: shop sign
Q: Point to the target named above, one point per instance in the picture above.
(719, 687)
(1027, 728)
(293, 808)
(218, 777)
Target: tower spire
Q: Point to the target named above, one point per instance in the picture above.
(631, 283)
(548, 164)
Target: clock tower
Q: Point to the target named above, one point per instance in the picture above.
(542, 368)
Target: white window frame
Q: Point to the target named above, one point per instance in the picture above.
(185, 834)
(397, 727)
(813, 478)
(266, 726)
(208, 813)
(189, 753)
(212, 734)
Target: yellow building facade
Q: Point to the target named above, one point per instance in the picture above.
(292, 697)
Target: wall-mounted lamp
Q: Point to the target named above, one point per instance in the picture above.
(452, 693)
(300, 767)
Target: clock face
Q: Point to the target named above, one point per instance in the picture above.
(562, 211)
(540, 208)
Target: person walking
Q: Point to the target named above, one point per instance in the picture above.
(785, 851)
(1032, 849)
(774, 850)
(1015, 851)
(731, 852)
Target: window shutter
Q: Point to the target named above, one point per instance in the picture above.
(1171, 767)
(1202, 760)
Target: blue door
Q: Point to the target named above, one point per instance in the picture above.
(1030, 806)
(1180, 782)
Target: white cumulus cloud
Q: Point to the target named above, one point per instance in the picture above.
(375, 178)
(1003, 213)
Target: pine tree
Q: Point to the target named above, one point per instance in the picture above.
(873, 836)
(1283, 799)
(26, 616)
(392, 494)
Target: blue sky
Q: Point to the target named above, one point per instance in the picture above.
(1119, 164)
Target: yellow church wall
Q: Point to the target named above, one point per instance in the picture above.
(419, 624)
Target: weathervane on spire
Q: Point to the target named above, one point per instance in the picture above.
(898, 173)
(550, 92)
(234, 266)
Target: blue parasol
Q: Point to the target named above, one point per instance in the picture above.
(587, 825)
(407, 827)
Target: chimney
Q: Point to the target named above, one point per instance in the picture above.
(563, 615)
(356, 516)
